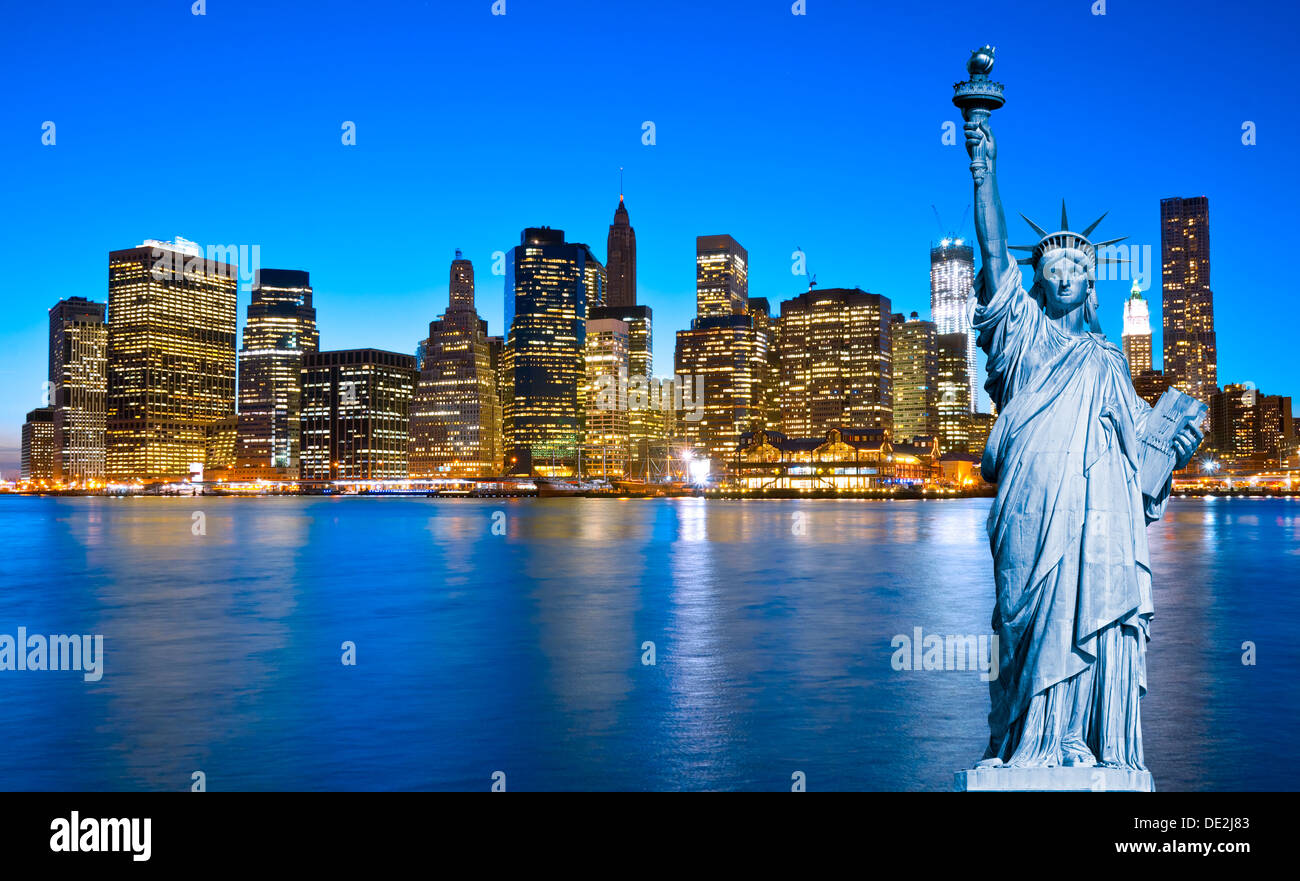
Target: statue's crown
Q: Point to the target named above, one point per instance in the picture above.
(1065, 238)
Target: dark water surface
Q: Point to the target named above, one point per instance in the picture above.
(772, 623)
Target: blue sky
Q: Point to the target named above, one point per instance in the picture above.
(820, 131)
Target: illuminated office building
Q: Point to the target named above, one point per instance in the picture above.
(37, 452)
(605, 451)
(1187, 305)
(356, 411)
(171, 357)
(78, 386)
(916, 377)
(721, 277)
(1275, 428)
(1248, 428)
(836, 365)
(647, 424)
(952, 275)
(1150, 385)
(1137, 332)
(620, 259)
(550, 283)
(980, 425)
(503, 383)
(730, 353)
(279, 330)
(455, 415)
(953, 393)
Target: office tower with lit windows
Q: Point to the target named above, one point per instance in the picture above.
(356, 410)
(721, 277)
(1137, 332)
(1187, 304)
(78, 385)
(171, 357)
(496, 346)
(1275, 428)
(953, 389)
(549, 286)
(37, 452)
(455, 414)
(729, 352)
(1249, 429)
(916, 377)
(645, 424)
(981, 426)
(620, 259)
(280, 328)
(836, 364)
(1150, 385)
(952, 275)
(606, 448)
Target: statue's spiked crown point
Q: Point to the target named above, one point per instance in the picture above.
(1065, 238)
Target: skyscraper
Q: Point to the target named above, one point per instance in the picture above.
(724, 360)
(645, 425)
(171, 357)
(1187, 305)
(620, 259)
(280, 329)
(455, 415)
(1137, 333)
(550, 283)
(721, 277)
(607, 351)
(356, 412)
(37, 462)
(916, 378)
(835, 362)
(954, 390)
(952, 275)
(78, 386)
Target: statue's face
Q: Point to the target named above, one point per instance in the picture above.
(1067, 279)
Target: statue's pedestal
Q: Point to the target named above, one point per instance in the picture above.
(1064, 779)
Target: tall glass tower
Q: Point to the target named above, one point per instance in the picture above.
(550, 283)
(1187, 305)
(280, 329)
(952, 274)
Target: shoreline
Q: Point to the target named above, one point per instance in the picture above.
(726, 495)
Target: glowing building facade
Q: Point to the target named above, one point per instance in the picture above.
(953, 387)
(606, 447)
(356, 413)
(916, 377)
(171, 357)
(455, 414)
(279, 330)
(836, 363)
(78, 387)
(721, 277)
(550, 284)
(1137, 333)
(37, 452)
(1187, 307)
(952, 275)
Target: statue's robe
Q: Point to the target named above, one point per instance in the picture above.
(1068, 535)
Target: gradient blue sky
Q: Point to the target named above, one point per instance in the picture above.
(820, 131)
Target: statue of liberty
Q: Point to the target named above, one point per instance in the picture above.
(1068, 526)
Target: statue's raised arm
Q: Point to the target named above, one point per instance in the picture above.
(977, 98)
(990, 222)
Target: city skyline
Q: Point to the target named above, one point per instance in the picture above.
(746, 170)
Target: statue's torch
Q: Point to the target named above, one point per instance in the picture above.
(979, 96)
